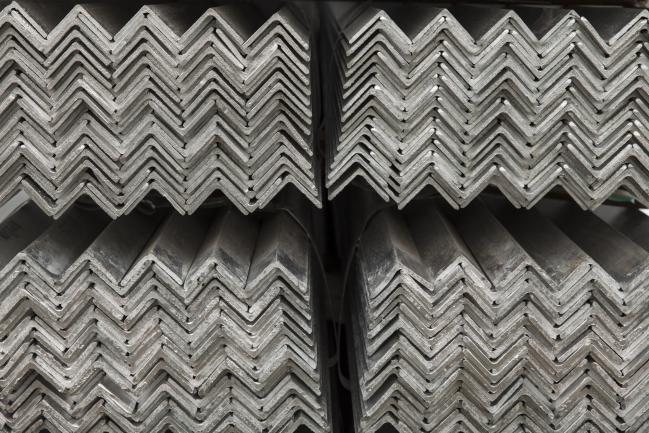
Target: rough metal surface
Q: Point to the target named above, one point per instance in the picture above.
(182, 99)
(201, 323)
(491, 319)
(524, 99)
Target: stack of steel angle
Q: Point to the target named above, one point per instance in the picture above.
(182, 99)
(524, 99)
(492, 319)
(203, 323)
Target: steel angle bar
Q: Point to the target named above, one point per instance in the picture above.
(374, 133)
(269, 71)
(142, 79)
(227, 172)
(281, 142)
(277, 123)
(377, 48)
(209, 83)
(199, 59)
(145, 47)
(102, 329)
(38, 20)
(547, 314)
(371, 162)
(272, 168)
(298, 121)
(225, 187)
(359, 173)
(280, 73)
(312, 193)
(288, 36)
(150, 159)
(277, 54)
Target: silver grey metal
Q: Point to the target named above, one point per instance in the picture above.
(493, 319)
(526, 100)
(184, 100)
(209, 322)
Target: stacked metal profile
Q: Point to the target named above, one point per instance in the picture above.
(497, 320)
(151, 323)
(182, 99)
(524, 99)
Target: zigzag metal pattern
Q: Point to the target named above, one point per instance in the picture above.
(525, 100)
(498, 327)
(202, 323)
(185, 100)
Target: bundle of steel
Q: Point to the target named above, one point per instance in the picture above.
(492, 319)
(524, 99)
(189, 323)
(181, 99)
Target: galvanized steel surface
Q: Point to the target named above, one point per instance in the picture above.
(182, 99)
(487, 319)
(492, 319)
(208, 322)
(524, 99)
